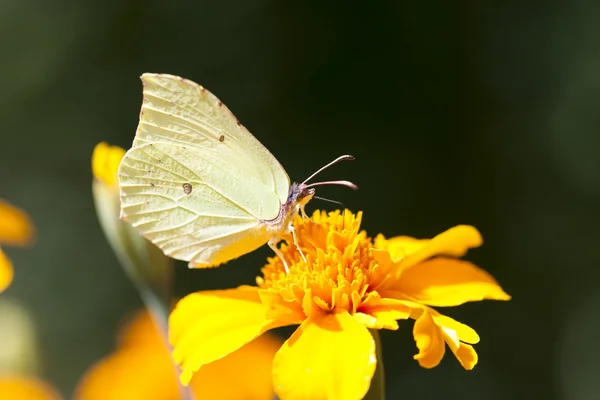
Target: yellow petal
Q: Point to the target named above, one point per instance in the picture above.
(378, 313)
(430, 341)
(131, 373)
(105, 163)
(395, 247)
(465, 354)
(281, 310)
(206, 326)
(386, 270)
(446, 282)
(330, 357)
(463, 332)
(247, 373)
(15, 227)
(26, 388)
(454, 242)
(142, 368)
(140, 331)
(6, 271)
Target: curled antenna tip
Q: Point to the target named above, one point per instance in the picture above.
(346, 157)
(341, 183)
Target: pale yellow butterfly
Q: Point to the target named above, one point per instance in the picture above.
(198, 185)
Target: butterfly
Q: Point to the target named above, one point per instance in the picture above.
(199, 185)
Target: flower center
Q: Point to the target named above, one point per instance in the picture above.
(338, 273)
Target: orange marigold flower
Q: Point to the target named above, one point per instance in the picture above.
(26, 388)
(16, 230)
(141, 368)
(348, 283)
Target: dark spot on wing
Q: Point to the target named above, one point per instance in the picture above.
(187, 188)
(222, 138)
(220, 103)
(151, 184)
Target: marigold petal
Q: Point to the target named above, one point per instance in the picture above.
(379, 320)
(140, 330)
(446, 282)
(206, 326)
(329, 357)
(6, 271)
(244, 374)
(378, 313)
(454, 242)
(463, 332)
(386, 268)
(430, 341)
(131, 373)
(395, 247)
(16, 228)
(146, 372)
(465, 354)
(280, 309)
(373, 323)
(26, 388)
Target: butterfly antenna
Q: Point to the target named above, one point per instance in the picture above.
(341, 183)
(329, 200)
(337, 160)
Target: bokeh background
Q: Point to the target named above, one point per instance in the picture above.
(483, 113)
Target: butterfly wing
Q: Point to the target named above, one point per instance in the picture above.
(196, 182)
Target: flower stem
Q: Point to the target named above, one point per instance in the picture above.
(377, 389)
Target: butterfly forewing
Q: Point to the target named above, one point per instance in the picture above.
(179, 111)
(197, 183)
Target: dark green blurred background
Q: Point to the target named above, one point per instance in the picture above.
(483, 114)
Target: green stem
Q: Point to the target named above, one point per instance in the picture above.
(377, 389)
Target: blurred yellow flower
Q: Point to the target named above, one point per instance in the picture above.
(141, 368)
(349, 283)
(19, 387)
(145, 264)
(105, 163)
(16, 230)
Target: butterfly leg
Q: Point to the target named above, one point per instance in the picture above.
(273, 245)
(293, 231)
(303, 213)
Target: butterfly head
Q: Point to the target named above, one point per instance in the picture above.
(300, 194)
